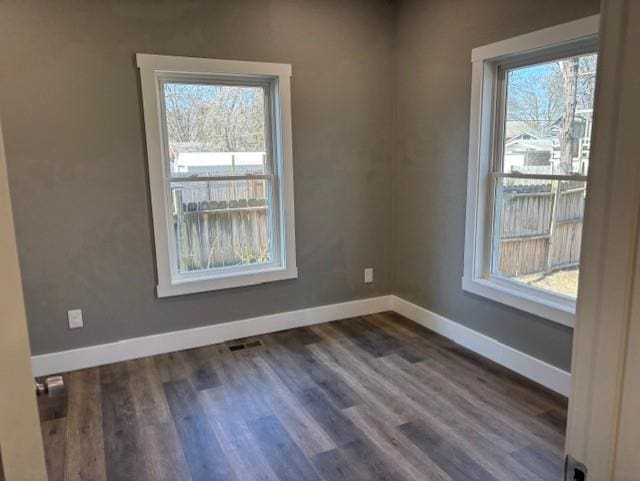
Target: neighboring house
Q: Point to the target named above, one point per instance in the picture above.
(528, 152)
(582, 127)
(193, 159)
(533, 152)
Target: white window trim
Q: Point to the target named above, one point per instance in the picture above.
(476, 278)
(151, 66)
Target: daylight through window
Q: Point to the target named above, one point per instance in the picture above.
(221, 174)
(220, 170)
(540, 172)
(532, 112)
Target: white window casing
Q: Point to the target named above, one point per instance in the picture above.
(566, 39)
(276, 78)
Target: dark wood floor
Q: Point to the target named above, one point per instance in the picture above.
(367, 399)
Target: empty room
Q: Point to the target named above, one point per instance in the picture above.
(319, 240)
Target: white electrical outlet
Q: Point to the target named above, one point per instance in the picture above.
(368, 275)
(75, 318)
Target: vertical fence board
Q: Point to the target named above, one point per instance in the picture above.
(528, 242)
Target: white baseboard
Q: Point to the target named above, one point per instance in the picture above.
(71, 360)
(524, 364)
(528, 366)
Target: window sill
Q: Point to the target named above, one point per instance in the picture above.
(247, 278)
(552, 307)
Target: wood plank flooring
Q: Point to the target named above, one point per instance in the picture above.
(364, 399)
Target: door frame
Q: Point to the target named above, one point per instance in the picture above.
(20, 434)
(607, 309)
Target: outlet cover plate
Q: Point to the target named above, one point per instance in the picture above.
(75, 318)
(368, 275)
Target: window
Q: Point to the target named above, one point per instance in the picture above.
(530, 142)
(220, 170)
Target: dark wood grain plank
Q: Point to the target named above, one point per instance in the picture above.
(300, 335)
(172, 367)
(332, 420)
(556, 419)
(85, 438)
(371, 392)
(453, 405)
(387, 444)
(322, 402)
(164, 457)
(333, 466)
(203, 374)
(455, 462)
(122, 445)
(544, 463)
(304, 365)
(387, 397)
(148, 394)
(205, 458)
(527, 392)
(285, 366)
(54, 437)
(368, 462)
(235, 437)
(300, 425)
(375, 342)
(249, 398)
(285, 457)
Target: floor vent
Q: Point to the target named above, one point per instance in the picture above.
(245, 345)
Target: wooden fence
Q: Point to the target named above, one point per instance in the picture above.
(540, 226)
(223, 223)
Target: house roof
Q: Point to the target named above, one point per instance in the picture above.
(539, 145)
(515, 128)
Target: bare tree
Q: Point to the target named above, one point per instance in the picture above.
(548, 98)
(215, 118)
(587, 81)
(569, 69)
(186, 113)
(533, 100)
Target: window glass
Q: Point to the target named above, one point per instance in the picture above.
(549, 115)
(537, 226)
(219, 131)
(215, 130)
(538, 232)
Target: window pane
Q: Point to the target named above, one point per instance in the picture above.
(538, 232)
(215, 129)
(549, 114)
(221, 223)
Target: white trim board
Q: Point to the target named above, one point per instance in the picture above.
(524, 364)
(528, 366)
(546, 37)
(64, 361)
(485, 121)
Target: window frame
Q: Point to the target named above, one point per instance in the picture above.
(489, 63)
(275, 78)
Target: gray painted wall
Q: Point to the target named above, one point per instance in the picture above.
(70, 102)
(433, 80)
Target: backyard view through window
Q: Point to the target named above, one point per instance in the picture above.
(220, 174)
(540, 172)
